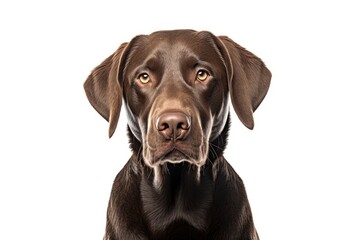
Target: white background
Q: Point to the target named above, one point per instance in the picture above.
(299, 164)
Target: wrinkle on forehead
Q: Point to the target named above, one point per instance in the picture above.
(176, 44)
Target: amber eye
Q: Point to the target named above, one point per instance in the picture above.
(201, 75)
(144, 78)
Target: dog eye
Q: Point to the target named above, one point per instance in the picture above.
(144, 78)
(202, 75)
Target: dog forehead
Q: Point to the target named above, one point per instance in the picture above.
(175, 44)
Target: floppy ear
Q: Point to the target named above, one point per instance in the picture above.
(249, 80)
(103, 88)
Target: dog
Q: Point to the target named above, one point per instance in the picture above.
(177, 87)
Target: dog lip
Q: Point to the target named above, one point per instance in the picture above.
(174, 151)
(174, 155)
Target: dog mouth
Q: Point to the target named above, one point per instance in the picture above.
(172, 163)
(179, 152)
(174, 156)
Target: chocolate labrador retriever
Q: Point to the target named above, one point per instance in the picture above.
(176, 86)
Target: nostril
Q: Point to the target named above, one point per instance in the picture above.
(183, 125)
(162, 127)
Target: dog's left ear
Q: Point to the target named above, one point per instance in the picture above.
(103, 88)
(248, 80)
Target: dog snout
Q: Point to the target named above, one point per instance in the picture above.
(173, 125)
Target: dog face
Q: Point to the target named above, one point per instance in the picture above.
(176, 86)
(175, 94)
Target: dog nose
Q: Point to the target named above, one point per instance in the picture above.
(173, 125)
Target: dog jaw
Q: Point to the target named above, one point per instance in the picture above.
(158, 161)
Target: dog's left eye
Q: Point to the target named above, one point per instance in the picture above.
(144, 78)
(202, 75)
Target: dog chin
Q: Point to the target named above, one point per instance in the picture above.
(173, 157)
(176, 157)
(192, 162)
(174, 161)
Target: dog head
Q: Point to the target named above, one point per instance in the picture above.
(176, 87)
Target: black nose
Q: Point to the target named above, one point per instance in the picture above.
(173, 125)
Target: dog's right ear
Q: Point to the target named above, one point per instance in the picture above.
(103, 88)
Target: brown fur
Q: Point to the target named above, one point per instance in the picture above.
(177, 184)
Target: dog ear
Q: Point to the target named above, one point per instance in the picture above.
(103, 88)
(248, 80)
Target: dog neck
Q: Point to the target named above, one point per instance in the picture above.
(181, 198)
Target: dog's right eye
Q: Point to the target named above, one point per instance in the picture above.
(202, 75)
(144, 78)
